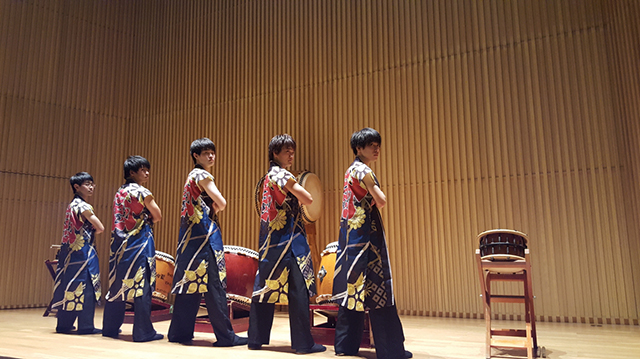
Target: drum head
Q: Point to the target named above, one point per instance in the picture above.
(507, 231)
(257, 196)
(311, 183)
(164, 256)
(241, 251)
(330, 248)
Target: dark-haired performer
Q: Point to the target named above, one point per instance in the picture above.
(362, 277)
(200, 267)
(285, 272)
(77, 284)
(132, 265)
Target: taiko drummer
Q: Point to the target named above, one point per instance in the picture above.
(362, 278)
(285, 272)
(77, 282)
(200, 267)
(132, 272)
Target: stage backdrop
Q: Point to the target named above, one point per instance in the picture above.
(493, 114)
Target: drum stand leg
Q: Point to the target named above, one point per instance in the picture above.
(487, 318)
(160, 311)
(325, 333)
(239, 316)
(519, 271)
(484, 287)
(52, 271)
(531, 315)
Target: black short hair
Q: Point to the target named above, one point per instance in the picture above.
(200, 145)
(79, 178)
(134, 163)
(363, 138)
(280, 142)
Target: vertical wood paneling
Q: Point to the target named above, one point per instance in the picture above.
(494, 114)
(622, 55)
(59, 114)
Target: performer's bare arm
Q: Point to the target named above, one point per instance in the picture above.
(376, 192)
(219, 203)
(301, 194)
(216, 209)
(153, 208)
(93, 219)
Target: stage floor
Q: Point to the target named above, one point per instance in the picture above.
(25, 333)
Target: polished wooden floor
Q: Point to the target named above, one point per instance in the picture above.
(25, 333)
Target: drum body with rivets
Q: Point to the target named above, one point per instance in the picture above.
(165, 265)
(325, 273)
(242, 265)
(502, 245)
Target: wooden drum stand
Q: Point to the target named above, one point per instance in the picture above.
(507, 267)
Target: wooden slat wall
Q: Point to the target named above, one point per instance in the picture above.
(623, 40)
(494, 114)
(65, 83)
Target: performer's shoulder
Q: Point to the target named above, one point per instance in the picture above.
(279, 176)
(77, 201)
(276, 173)
(198, 174)
(79, 205)
(137, 190)
(359, 170)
